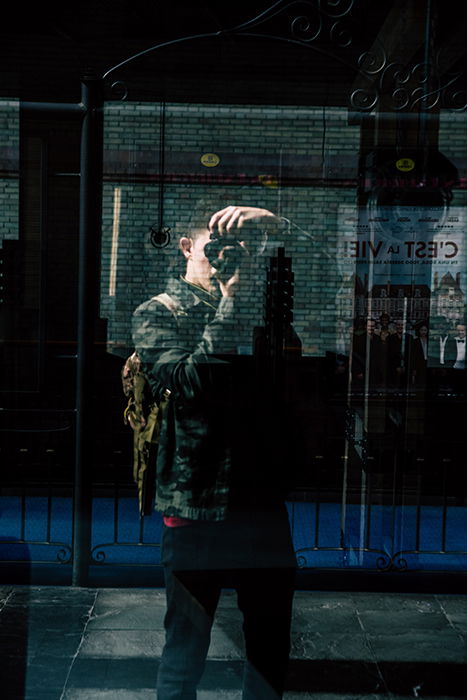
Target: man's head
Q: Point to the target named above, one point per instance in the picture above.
(201, 214)
(421, 329)
(198, 268)
(236, 232)
(460, 328)
(384, 320)
(399, 325)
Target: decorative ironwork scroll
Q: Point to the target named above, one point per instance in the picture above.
(407, 88)
(328, 28)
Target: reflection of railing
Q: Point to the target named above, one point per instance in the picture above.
(402, 511)
(37, 458)
(129, 538)
(377, 508)
(403, 506)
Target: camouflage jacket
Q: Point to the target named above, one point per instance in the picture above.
(183, 347)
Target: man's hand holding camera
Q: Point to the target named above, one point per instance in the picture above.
(233, 219)
(237, 234)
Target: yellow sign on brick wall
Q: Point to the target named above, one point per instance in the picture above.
(210, 160)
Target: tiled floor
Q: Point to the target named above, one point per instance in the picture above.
(104, 644)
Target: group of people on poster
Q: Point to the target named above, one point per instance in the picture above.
(392, 355)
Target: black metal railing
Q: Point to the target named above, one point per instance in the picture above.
(37, 459)
(410, 516)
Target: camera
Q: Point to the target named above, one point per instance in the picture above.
(226, 254)
(231, 251)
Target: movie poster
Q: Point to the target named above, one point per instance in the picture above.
(405, 263)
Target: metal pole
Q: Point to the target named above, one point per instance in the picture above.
(88, 304)
(424, 139)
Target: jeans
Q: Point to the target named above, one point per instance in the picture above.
(264, 595)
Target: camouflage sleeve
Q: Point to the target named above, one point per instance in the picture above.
(187, 366)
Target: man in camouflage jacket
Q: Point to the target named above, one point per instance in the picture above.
(217, 483)
(177, 342)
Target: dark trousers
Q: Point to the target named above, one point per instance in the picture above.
(264, 596)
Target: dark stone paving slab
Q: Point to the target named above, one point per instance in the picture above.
(5, 593)
(122, 644)
(46, 695)
(335, 676)
(416, 646)
(56, 617)
(453, 603)
(53, 643)
(113, 673)
(112, 694)
(393, 602)
(317, 646)
(128, 609)
(425, 679)
(62, 643)
(399, 622)
(51, 595)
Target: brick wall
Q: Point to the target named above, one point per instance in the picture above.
(9, 169)
(299, 162)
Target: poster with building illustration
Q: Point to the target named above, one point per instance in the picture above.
(409, 263)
